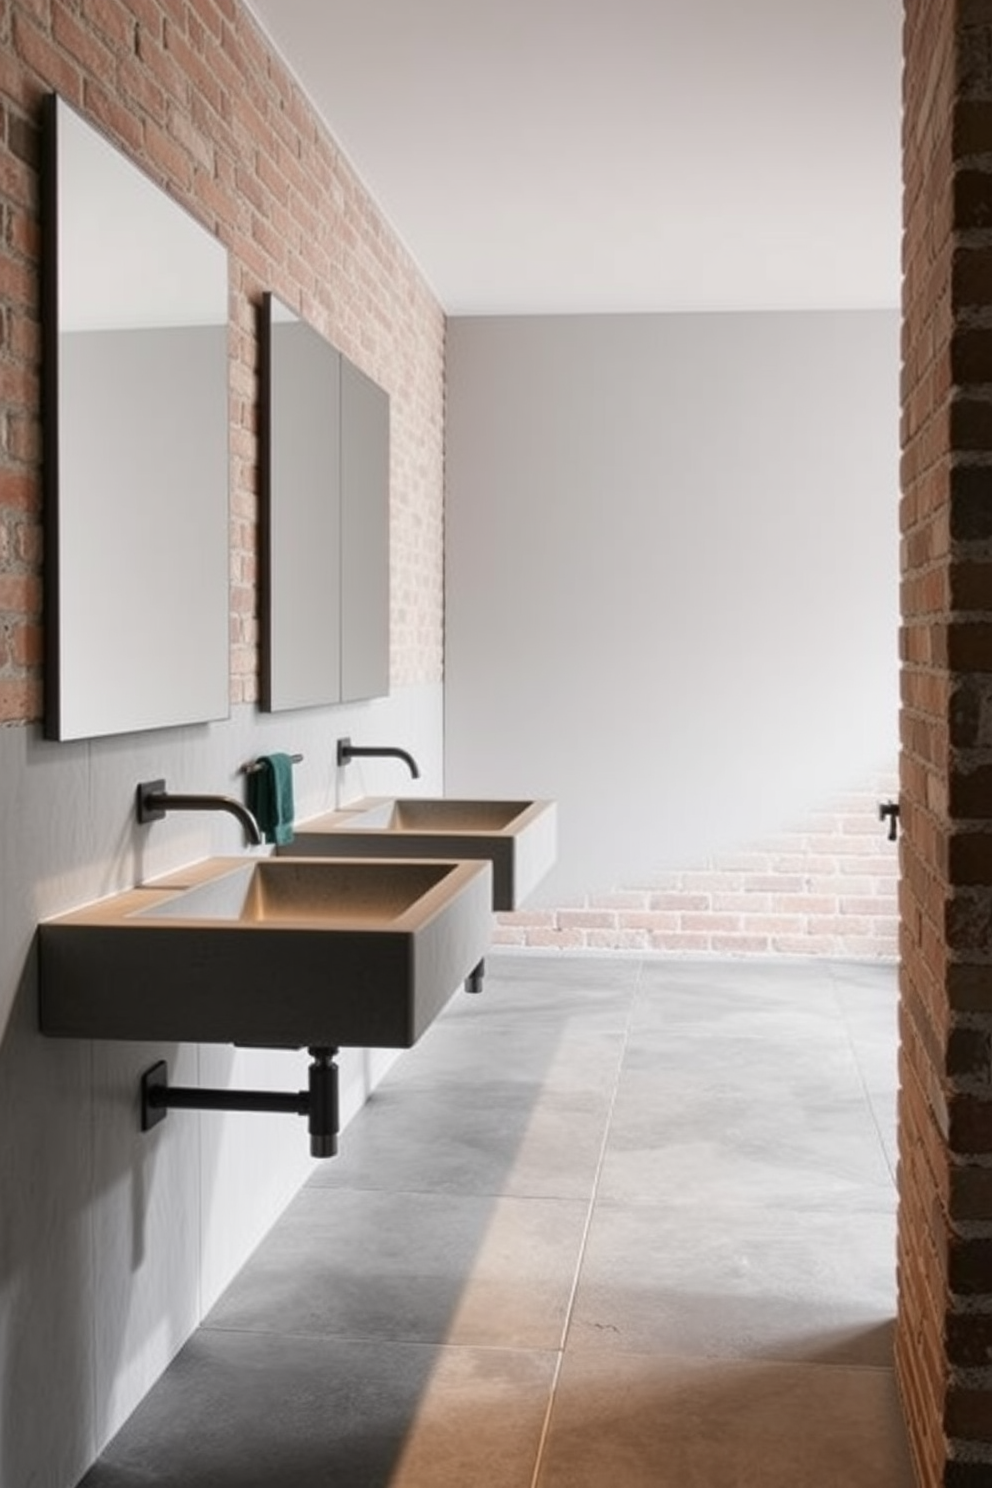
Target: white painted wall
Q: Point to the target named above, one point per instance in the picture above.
(114, 1243)
(671, 575)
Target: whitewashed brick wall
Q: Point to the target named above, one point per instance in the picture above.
(824, 888)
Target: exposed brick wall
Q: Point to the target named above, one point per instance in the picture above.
(944, 1335)
(828, 888)
(190, 90)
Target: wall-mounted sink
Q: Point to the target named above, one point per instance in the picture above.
(270, 951)
(519, 838)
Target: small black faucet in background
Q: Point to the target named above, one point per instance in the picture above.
(348, 751)
(889, 810)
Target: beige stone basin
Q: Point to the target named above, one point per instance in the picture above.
(269, 951)
(519, 838)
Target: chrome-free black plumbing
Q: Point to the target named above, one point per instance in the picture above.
(319, 1103)
(348, 751)
(890, 810)
(152, 801)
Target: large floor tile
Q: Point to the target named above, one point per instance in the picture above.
(644, 1422)
(884, 1108)
(738, 1283)
(709, 1018)
(874, 1038)
(549, 1054)
(479, 1422)
(858, 978)
(736, 1153)
(696, 1173)
(868, 998)
(799, 983)
(564, 972)
(484, 1138)
(765, 1057)
(591, 995)
(242, 1411)
(751, 1125)
(426, 1268)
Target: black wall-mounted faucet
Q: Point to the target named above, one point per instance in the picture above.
(890, 810)
(153, 801)
(348, 751)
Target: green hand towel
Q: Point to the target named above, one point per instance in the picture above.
(270, 797)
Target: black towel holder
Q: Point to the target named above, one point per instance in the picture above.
(256, 765)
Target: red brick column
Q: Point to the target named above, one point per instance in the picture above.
(944, 1335)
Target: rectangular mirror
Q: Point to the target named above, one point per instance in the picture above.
(301, 506)
(136, 447)
(325, 547)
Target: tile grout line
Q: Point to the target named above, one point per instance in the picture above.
(594, 1189)
(862, 1079)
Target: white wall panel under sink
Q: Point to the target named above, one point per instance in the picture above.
(47, 1342)
(146, 1228)
(252, 1163)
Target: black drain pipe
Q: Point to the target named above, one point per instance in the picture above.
(319, 1103)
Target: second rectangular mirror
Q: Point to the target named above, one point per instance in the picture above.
(325, 568)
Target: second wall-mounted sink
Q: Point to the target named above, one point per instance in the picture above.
(519, 838)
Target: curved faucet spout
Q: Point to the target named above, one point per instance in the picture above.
(153, 801)
(348, 751)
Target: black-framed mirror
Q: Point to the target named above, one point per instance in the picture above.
(136, 433)
(325, 504)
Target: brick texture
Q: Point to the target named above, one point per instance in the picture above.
(190, 90)
(829, 887)
(943, 1354)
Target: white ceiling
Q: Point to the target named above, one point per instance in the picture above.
(549, 156)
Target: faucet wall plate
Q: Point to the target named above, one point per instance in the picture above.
(145, 811)
(154, 1079)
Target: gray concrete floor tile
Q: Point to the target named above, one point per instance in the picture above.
(778, 980)
(860, 977)
(484, 1138)
(426, 1268)
(243, 1411)
(704, 1147)
(479, 1421)
(698, 1171)
(738, 1282)
(564, 972)
(709, 1016)
(575, 1059)
(764, 1064)
(647, 1422)
(570, 996)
